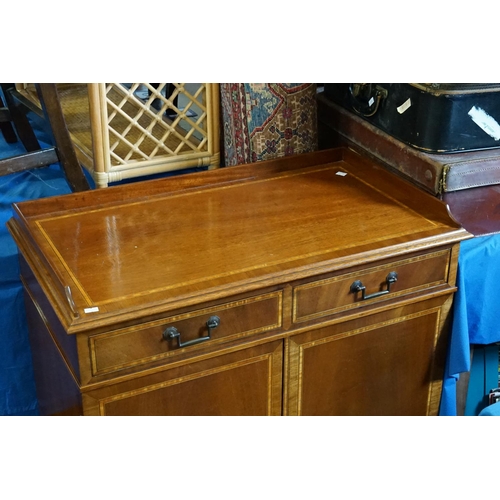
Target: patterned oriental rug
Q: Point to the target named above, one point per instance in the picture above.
(268, 120)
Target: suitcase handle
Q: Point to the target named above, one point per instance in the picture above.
(366, 97)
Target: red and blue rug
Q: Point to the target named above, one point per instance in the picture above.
(262, 121)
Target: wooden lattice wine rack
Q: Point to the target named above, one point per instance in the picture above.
(125, 130)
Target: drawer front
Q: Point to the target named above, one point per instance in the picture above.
(344, 292)
(147, 343)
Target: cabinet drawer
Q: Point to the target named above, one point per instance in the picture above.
(336, 294)
(146, 343)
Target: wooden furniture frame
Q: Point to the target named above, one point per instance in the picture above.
(319, 284)
(122, 131)
(6, 128)
(62, 151)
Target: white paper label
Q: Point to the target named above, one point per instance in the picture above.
(342, 174)
(401, 109)
(91, 310)
(486, 122)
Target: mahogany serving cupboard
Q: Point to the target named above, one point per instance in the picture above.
(317, 284)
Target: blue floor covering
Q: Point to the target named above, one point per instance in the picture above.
(17, 387)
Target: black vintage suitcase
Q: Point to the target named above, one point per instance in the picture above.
(432, 117)
(437, 173)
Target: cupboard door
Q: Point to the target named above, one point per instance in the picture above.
(245, 382)
(390, 363)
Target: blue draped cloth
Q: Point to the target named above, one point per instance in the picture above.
(491, 411)
(476, 318)
(17, 387)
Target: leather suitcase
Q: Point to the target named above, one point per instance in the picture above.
(432, 117)
(468, 182)
(436, 173)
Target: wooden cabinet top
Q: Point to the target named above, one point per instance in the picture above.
(143, 248)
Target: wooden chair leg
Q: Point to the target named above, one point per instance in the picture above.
(20, 120)
(51, 106)
(6, 127)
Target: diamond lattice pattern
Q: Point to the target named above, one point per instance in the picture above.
(147, 120)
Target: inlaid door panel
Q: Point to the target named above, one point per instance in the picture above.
(245, 382)
(392, 365)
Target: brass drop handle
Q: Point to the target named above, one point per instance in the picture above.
(357, 286)
(171, 333)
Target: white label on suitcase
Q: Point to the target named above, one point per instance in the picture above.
(401, 109)
(485, 122)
